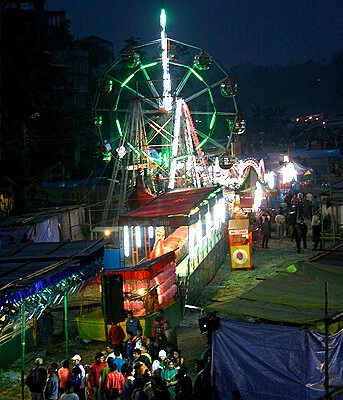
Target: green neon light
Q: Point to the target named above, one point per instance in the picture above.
(196, 74)
(210, 94)
(163, 19)
(119, 128)
(133, 148)
(214, 116)
(148, 65)
(202, 143)
(127, 80)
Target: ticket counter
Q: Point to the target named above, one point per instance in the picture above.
(240, 241)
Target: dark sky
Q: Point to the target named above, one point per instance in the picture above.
(263, 32)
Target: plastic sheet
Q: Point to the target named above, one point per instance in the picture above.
(272, 362)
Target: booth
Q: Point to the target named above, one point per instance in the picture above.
(240, 241)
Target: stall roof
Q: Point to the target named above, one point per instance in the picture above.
(174, 208)
(26, 269)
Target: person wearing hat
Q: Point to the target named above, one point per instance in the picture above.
(160, 364)
(36, 380)
(78, 377)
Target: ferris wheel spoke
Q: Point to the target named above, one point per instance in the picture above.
(183, 82)
(152, 87)
(125, 86)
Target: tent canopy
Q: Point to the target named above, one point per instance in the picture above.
(300, 169)
(174, 208)
(295, 295)
(26, 269)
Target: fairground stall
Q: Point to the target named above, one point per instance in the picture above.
(172, 247)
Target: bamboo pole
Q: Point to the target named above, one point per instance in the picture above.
(66, 331)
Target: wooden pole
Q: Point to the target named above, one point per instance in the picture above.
(66, 331)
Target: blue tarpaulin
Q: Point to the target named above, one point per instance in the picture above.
(271, 362)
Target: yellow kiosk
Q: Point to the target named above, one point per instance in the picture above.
(240, 240)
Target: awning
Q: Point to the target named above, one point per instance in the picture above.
(174, 208)
(31, 268)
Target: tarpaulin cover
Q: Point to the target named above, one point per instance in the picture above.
(295, 295)
(271, 362)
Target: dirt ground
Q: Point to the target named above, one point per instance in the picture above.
(227, 284)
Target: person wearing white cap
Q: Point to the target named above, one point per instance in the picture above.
(78, 374)
(159, 364)
(36, 380)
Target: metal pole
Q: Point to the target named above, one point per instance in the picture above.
(65, 304)
(23, 329)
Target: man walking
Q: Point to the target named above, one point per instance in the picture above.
(36, 380)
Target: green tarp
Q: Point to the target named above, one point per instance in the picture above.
(295, 296)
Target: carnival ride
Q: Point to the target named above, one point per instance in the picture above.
(155, 109)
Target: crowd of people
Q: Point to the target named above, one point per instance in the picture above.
(290, 221)
(134, 367)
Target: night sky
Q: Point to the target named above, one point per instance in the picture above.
(263, 32)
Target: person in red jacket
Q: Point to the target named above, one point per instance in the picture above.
(157, 324)
(116, 336)
(94, 375)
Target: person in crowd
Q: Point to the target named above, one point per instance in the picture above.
(69, 394)
(127, 348)
(132, 323)
(148, 389)
(266, 230)
(140, 367)
(162, 342)
(135, 356)
(52, 384)
(169, 374)
(115, 395)
(78, 377)
(157, 324)
(304, 229)
(161, 390)
(144, 353)
(128, 386)
(159, 364)
(184, 386)
(280, 223)
(36, 380)
(110, 352)
(290, 222)
(114, 380)
(151, 348)
(297, 236)
(138, 340)
(116, 336)
(94, 375)
(45, 331)
(202, 386)
(138, 392)
(316, 230)
(171, 338)
(64, 375)
(118, 360)
(103, 375)
(179, 360)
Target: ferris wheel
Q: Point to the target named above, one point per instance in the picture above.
(157, 107)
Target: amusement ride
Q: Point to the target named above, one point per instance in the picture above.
(155, 109)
